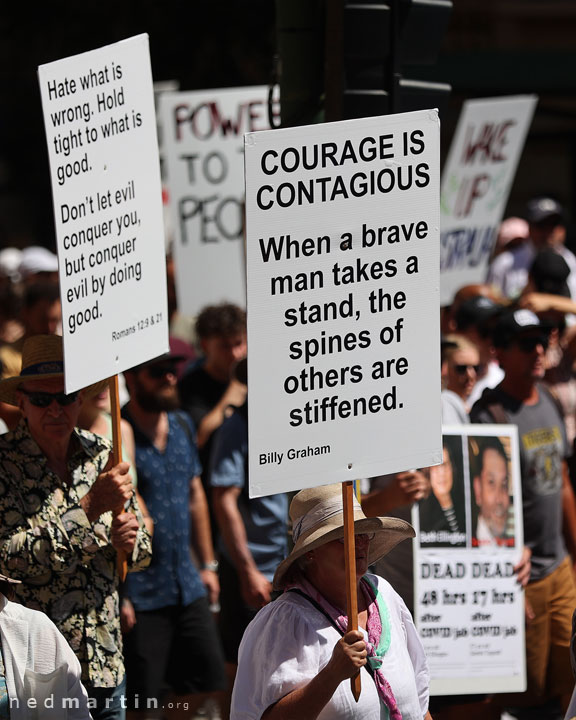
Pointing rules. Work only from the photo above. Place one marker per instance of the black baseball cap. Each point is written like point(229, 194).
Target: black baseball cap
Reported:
point(549, 273)
point(544, 209)
point(476, 311)
point(513, 323)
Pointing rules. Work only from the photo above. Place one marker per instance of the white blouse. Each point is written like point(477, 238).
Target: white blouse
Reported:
point(289, 642)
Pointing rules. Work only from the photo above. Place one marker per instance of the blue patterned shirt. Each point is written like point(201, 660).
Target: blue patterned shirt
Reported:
point(164, 483)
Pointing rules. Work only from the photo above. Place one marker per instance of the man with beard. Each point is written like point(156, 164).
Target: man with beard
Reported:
point(492, 495)
point(171, 640)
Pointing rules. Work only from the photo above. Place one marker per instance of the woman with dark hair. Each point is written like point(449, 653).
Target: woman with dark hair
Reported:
point(441, 514)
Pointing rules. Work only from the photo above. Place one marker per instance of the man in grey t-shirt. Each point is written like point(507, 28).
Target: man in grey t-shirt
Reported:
point(548, 503)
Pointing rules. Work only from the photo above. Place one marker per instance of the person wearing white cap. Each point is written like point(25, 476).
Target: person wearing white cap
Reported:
point(38, 263)
point(296, 656)
point(39, 673)
point(10, 259)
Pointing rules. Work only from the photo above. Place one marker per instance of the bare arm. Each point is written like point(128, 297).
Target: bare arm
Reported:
point(146, 517)
point(256, 587)
point(522, 569)
point(405, 489)
point(202, 536)
point(129, 445)
point(128, 440)
point(235, 394)
point(543, 302)
point(348, 656)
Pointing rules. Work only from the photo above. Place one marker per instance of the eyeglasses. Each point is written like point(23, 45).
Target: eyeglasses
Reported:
point(44, 399)
point(159, 371)
point(364, 537)
point(463, 369)
point(530, 343)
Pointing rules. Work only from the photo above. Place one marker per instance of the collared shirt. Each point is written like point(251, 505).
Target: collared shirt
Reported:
point(66, 563)
point(164, 482)
point(485, 538)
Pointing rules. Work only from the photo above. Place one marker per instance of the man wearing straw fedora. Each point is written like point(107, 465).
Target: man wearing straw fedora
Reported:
point(65, 511)
point(297, 654)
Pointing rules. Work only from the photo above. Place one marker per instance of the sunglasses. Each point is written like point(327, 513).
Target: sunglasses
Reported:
point(463, 369)
point(159, 371)
point(529, 344)
point(366, 537)
point(44, 399)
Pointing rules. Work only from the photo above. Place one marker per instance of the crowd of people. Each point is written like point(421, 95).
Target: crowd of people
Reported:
point(195, 626)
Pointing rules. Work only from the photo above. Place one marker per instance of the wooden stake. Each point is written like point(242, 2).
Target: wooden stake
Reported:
point(121, 562)
point(350, 560)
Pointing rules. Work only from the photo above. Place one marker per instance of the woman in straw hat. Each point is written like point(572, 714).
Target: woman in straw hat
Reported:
point(39, 673)
point(296, 654)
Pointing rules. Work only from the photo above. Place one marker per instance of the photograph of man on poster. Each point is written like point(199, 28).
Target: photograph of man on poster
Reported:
point(442, 516)
point(492, 505)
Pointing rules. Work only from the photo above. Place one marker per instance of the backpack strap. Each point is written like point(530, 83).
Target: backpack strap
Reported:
point(185, 426)
point(553, 397)
point(498, 413)
point(490, 403)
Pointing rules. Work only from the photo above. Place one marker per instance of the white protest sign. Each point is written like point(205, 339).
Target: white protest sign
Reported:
point(101, 133)
point(476, 182)
point(342, 224)
point(204, 144)
point(469, 608)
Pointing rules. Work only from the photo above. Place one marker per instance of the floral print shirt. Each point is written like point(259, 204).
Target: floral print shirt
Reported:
point(66, 563)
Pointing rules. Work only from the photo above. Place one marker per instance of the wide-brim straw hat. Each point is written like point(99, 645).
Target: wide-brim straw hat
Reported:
point(317, 519)
point(42, 359)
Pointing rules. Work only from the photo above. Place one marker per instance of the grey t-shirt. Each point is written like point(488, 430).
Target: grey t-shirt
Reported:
point(543, 447)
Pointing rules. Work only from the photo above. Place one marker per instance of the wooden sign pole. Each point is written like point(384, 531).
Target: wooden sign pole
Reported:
point(121, 562)
point(350, 559)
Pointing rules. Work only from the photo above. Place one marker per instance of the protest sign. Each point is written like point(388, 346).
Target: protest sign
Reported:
point(476, 182)
point(469, 608)
point(203, 134)
point(101, 132)
point(343, 323)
